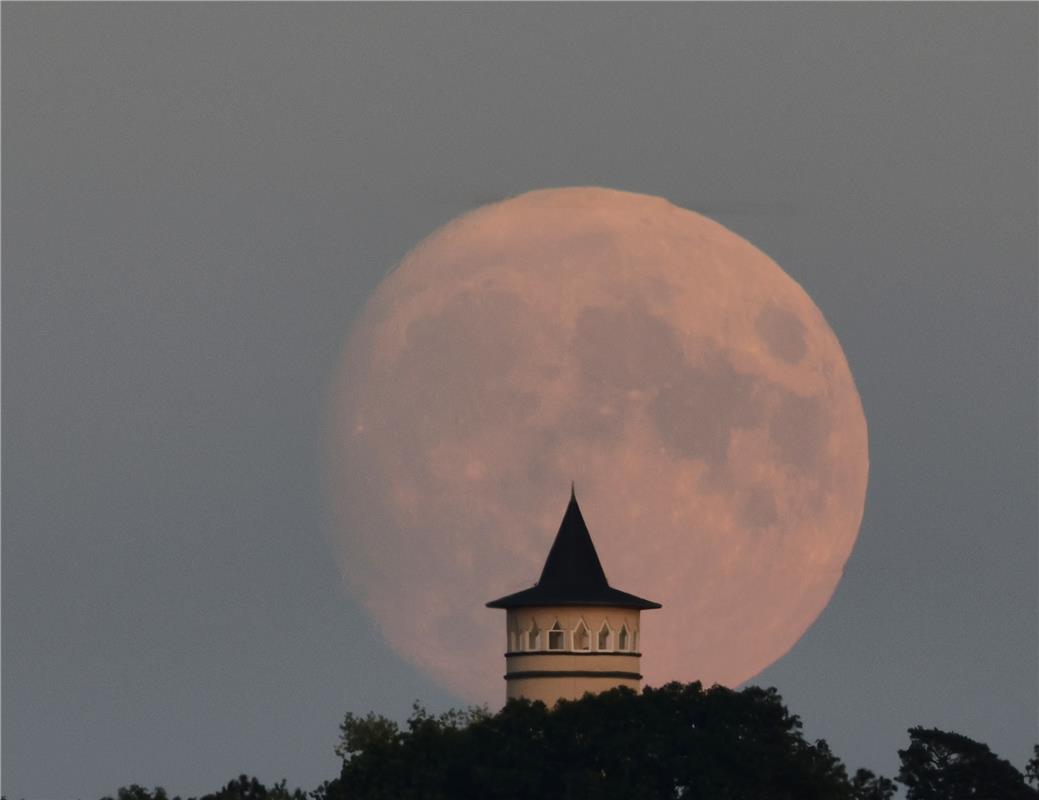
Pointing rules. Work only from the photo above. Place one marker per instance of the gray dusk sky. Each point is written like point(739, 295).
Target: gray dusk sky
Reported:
point(198, 199)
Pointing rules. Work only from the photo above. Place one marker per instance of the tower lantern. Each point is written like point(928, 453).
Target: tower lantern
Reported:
point(571, 632)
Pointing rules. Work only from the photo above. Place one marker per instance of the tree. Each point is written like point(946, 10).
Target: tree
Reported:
point(867, 786)
point(246, 788)
point(1032, 767)
point(678, 741)
point(137, 792)
point(241, 788)
point(940, 765)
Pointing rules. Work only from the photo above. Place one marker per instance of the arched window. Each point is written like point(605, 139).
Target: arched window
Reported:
point(603, 639)
point(622, 638)
point(582, 638)
point(533, 637)
point(556, 637)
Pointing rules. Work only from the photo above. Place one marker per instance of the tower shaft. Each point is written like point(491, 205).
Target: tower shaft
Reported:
point(560, 653)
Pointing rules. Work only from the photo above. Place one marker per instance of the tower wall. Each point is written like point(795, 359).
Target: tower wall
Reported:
point(555, 653)
point(551, 690)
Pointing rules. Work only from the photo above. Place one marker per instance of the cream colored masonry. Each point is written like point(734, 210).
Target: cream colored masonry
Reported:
point(554, 653)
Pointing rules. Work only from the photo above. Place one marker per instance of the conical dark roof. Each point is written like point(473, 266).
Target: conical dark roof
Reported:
point(572, 575)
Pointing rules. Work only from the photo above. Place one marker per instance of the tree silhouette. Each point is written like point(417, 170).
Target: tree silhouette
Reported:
point(678, 741)
point(867, 786)
point(246, 788)
point(136, 792)
point(1032, 768)
point(241, 788)
point(940, 765)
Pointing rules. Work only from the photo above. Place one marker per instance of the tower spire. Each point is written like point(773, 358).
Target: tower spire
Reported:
point(573, 574)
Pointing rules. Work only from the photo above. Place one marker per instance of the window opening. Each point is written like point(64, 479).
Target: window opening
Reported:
point(533, 637)
point(603, 642)
point(582, 639)
point(622, 638)
point(556, 637)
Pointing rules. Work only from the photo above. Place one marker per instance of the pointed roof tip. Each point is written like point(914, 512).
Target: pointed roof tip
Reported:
point(572, 560)
point(573, 574)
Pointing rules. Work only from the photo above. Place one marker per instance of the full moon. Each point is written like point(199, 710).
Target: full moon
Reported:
point(690, 387)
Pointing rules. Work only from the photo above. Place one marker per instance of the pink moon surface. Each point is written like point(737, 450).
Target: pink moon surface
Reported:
point(690, 387)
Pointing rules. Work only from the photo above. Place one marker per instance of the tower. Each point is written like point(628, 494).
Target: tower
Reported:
point(571, 632)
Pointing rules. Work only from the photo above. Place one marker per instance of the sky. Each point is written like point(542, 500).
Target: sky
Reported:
point(198, 199)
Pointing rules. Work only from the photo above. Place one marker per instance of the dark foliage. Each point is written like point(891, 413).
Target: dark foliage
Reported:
point(867, 786)
point(673, 742)
point(678, 741)
point(939, 765)
point(245, 788)
point(135, 792)
point(241, 788)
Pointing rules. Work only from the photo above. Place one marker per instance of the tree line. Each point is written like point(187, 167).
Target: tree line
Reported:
point(679, 741)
